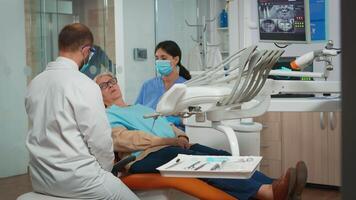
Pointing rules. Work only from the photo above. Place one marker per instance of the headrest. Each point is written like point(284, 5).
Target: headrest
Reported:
point(170, 99)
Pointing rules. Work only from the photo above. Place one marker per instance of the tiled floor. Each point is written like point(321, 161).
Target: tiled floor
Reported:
point(312, 193)
point(12, 187)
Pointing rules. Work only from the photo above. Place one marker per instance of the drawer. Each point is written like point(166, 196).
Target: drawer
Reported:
point(271, 131)
point(272, 168)
point(271, 150)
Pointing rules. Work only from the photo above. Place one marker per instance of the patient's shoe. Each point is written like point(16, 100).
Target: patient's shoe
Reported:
point(301, 180)
point(284, 185)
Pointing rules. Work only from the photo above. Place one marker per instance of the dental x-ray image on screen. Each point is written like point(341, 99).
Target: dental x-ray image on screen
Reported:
point(283, 20)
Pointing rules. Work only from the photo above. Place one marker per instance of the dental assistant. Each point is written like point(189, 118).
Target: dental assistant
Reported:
point(69, 140)
point(168, 65)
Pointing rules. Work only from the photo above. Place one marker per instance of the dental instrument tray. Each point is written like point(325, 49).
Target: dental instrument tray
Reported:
point(233, 167)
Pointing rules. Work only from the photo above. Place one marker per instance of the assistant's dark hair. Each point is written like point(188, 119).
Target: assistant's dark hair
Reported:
point(173, 49)
point(74, 36)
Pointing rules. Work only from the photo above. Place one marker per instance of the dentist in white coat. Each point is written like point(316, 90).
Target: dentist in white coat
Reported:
point(70, 144)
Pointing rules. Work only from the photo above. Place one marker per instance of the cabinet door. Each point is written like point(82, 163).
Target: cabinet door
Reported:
point(271, 168)
point(305, 138)
point(271, 144)
point(334, 148)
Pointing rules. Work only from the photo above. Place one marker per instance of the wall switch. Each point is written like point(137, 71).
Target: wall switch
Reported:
point(140, 54)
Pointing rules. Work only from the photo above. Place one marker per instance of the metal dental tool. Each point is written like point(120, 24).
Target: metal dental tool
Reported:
point(153, 124)
point(201, 166)
point(193, 165)
point(174, 164)
point(154, 116)
point(218, 165)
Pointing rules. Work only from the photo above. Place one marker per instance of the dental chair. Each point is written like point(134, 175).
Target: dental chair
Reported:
point(238, 92)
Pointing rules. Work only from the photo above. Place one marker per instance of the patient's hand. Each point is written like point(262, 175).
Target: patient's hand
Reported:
point(183, 142)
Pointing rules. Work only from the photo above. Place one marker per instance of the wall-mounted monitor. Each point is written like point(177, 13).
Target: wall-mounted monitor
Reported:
point(284, 21)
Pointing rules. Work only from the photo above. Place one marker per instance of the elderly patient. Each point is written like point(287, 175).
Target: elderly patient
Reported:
point(156, 143)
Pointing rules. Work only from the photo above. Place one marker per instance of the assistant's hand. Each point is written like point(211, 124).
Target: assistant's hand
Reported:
point(183, 142)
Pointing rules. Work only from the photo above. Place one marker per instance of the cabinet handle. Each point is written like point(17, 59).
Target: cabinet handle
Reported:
point(331, 120)
point(265, 146)
point(322, 125)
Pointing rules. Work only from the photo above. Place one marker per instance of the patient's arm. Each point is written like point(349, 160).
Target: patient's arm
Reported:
point(129, 141)
point(179, 132)
point(183, 138)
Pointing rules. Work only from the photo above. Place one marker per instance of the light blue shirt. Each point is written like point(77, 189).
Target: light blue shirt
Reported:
point(131, 117)
point(151, 92)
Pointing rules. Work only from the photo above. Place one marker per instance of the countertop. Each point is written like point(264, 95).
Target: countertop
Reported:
point(309, 104)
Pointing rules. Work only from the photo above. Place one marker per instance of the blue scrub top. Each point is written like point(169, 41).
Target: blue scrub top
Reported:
point(151, 92)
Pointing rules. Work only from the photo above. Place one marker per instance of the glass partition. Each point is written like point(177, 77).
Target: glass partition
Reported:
point(195, 26)
point(45, 19)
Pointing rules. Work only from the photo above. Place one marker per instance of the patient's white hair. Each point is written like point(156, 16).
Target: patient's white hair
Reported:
point(103, 74)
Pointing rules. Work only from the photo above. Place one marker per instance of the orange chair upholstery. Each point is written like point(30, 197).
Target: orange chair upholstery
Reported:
point(191, 186)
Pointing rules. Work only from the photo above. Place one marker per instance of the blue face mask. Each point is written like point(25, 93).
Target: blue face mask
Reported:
point(86, 65)
point(164, 67)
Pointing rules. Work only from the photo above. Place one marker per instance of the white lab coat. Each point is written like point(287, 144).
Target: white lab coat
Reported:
point(69, 140)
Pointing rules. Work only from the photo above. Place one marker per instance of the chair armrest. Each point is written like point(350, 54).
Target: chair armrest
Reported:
point(119, 166)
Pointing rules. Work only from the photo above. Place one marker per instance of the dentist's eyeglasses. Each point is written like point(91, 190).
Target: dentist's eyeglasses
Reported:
point(110, 82)
point(91, 49)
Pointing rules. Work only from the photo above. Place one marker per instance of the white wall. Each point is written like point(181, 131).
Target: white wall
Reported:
point(244, 23)
point(13, 119)
point(134, 28)
point(171, 24)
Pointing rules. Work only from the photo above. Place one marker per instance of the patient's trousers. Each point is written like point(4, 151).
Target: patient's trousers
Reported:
point(243, 189)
